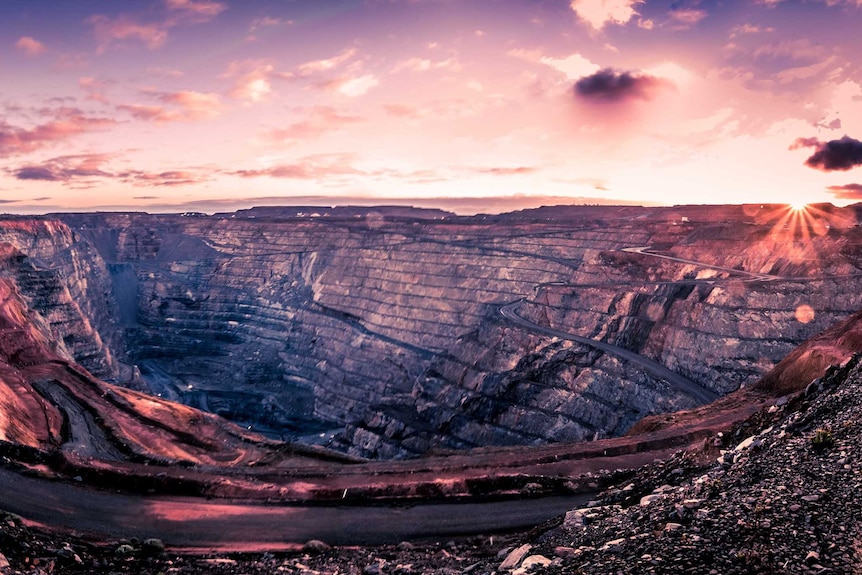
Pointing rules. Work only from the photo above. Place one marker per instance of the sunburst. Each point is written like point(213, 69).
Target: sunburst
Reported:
point(798, 224)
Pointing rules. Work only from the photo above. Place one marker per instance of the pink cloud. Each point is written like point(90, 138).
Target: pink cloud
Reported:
point(252, 79)
point(196, 105)
point(30, 46)
point(65, 123)
point(316, 167)
point(316, 66)
point(599, 13)
point(425, 65)
point(149, 113)
point(184, 106)
point(688, 16)
point(109, 30)
point(847, 192)
point(320, 120)
point(196, 10)
point(402, 111)
point(80, 171)
point(153, 34)
point(93, 89)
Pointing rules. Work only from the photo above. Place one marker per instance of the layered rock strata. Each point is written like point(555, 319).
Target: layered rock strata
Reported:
point(387, 327)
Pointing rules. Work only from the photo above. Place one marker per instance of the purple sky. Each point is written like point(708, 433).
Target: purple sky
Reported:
point(206, 104)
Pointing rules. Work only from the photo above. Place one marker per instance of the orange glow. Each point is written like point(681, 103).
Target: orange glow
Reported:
point(804, 313)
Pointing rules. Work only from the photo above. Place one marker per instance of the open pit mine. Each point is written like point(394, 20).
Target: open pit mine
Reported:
point(257, 379)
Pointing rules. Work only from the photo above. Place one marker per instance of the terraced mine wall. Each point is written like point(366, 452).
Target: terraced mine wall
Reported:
point(381, 334)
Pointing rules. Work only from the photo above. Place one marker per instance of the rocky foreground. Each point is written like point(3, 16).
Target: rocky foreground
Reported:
point(779, 493)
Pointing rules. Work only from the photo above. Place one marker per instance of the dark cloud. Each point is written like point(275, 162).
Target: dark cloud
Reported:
point(42, 199)
point(834, 155)
point(608, 85)
point(160, 179)
point(81, 170)
point(847, 192)
point(65, 168)
point(36, 173)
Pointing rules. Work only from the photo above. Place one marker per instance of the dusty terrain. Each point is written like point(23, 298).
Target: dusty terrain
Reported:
point(550, 328)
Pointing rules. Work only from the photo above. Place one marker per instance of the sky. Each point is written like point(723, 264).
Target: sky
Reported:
point(175, 105)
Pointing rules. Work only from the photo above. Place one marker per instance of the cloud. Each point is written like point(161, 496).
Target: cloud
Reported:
point(159, 72)
point(425, 65)
point(30, 46)
point(149, 113)
point(161, 179)
point(747, 29)
point(93, 89)
point(85, 167)
point(194, 10)
point(610, 86)
point(109, 30)
point(36, 173)
point(507, 171)
point(252, 79)
point(65, 123)
point(185, 106)
point(314, 67)
point(834, 155)
point(402, 111)
point(598, 13)
point(317, 167)
point(574, 66)
point(687, 17)
point(320, 120)
point(266, 22)
point(65, 168)
point(847, 192)
point(355, 87)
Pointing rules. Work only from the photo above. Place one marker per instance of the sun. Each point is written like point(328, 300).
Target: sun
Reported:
point(798, 206)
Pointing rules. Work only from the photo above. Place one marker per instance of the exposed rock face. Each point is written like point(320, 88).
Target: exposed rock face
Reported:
point(68, 283)
point(387, 328)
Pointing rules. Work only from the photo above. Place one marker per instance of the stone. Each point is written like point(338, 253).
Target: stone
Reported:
point(531, 563)
point(153, 546)
point(374, 568)
point(125, 550)
point(4, 563)
point(513, 559)
point(748, 443)
point(613, 546)
point(647, 499)
point(563, 551)
point(574, 519)
point(315, 546)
